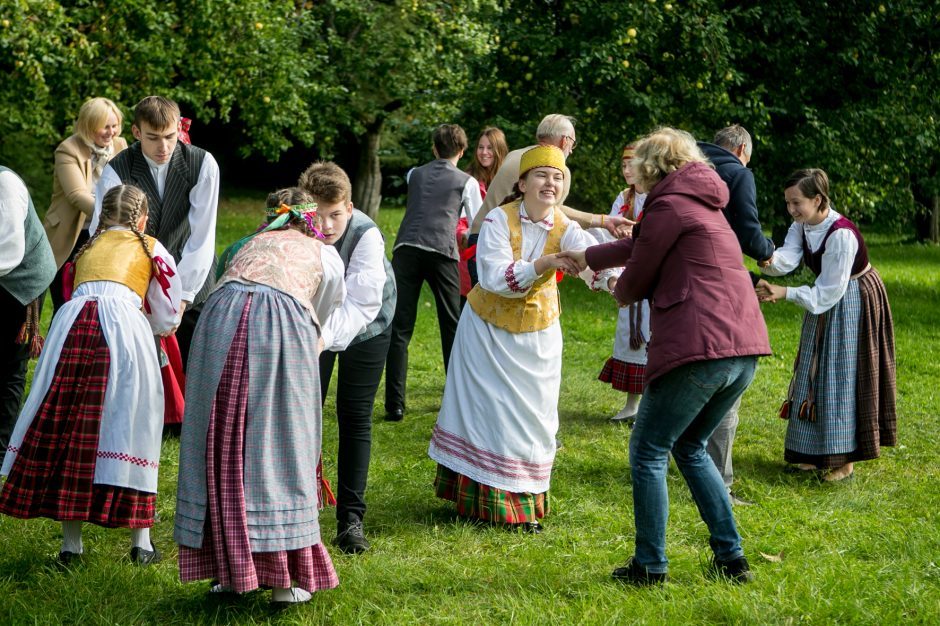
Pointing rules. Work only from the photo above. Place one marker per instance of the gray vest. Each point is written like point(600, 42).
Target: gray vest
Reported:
point(359, 223)
point(28, 280)
point(435, 192)
point(169, 216)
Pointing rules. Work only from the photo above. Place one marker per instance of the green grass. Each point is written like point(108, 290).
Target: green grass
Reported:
point(866, 551)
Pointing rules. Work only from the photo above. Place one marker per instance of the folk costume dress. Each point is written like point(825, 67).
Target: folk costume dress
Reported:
point(247, 498)
point(841, 404)
point(86, 446)
point(626, 368)
point(494, 440)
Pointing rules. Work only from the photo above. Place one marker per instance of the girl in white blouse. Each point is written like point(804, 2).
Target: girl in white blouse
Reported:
point(841, 404)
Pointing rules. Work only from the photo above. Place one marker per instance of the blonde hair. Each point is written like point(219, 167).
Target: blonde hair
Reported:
point(122, 205)
point(93, 116)
point(663, 151)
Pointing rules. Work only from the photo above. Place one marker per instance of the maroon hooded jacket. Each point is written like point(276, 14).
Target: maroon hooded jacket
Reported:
point(687, 261)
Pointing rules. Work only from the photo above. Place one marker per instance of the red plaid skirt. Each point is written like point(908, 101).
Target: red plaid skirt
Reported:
point(53, 475)
point(225, 555)
point(623, 376)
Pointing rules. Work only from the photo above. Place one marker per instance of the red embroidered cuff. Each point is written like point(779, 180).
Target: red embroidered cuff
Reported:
point(511, 279)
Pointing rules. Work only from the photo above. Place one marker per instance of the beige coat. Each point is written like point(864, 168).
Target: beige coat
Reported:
point(72, 198)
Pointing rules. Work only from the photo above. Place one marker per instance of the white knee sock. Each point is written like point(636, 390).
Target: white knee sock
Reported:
point(140, 538)
point(72, 537)
point(633, 403)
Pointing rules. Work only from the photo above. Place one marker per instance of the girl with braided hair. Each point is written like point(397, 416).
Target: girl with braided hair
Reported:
point(86, 447)
point(247, 502)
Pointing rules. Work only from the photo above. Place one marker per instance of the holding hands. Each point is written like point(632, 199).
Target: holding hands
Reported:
point(767, 292)
point(618, 226)
point(576, 257)
point(557, 261)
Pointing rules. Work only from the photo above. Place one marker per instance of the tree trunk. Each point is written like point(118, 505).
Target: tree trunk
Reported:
point(928, 223)
point(367, 186)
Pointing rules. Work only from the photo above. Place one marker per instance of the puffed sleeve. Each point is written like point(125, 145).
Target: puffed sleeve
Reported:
point(787, 257)
point(833, 280)
point(164, 292)
point(498, 272)
point(332, 290)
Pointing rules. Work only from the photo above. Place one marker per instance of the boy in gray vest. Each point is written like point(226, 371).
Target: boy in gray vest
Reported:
point(26, 269)
point(357, 334)
point(425, 250)
point(182, 186)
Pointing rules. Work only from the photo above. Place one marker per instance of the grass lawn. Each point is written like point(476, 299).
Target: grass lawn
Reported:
point(865, 551)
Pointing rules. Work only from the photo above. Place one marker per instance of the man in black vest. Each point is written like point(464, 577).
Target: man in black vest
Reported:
point(26, 269)
point(426, 250)
point(182, 186)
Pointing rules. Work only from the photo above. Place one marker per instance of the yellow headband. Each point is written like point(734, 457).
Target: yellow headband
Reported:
point(542, 156)
point(628, 152)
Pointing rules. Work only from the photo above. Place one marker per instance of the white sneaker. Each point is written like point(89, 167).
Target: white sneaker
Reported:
point(294, 595)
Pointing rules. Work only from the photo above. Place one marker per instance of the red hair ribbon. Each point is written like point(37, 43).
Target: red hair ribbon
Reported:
point(183, 130)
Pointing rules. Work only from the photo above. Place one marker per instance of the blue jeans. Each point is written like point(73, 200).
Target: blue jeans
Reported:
point(678, 414)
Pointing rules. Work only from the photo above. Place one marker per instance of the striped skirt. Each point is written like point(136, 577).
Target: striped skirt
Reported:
point(488, 503)
point(846, 368)
point(53, 475)
point(226, 555)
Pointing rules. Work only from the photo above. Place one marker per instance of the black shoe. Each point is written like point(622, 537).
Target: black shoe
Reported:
point(350, 538)
point(529, 528)
point(139, 556)
point(394, 415)
point(635, 574)
point(736, 570)
point(69, 558)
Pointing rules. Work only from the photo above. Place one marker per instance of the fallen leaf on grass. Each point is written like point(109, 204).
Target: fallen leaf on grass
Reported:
point(773, 558)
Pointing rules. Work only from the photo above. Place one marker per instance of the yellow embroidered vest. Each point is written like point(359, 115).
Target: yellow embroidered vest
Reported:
point(116, 256)
point(539, 308)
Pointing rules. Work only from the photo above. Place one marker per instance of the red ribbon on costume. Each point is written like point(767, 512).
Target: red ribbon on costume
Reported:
point(161, 273)
point(183, 130)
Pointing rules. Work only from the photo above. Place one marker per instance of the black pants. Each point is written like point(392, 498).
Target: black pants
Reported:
point(14, 359)
point(413, 266)
point(55, 289)
point(184, 334)
point(360, 370)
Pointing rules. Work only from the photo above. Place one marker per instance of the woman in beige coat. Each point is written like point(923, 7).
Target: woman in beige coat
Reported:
point(79, 161)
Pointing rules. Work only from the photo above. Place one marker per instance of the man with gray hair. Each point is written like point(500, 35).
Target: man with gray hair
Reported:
point(730, 154)
point(556, 130)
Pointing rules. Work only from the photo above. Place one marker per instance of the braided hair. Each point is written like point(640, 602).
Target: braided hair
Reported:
point(122, 205)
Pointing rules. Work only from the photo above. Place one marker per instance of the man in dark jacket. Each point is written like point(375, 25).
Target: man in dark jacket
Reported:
point(730, 154)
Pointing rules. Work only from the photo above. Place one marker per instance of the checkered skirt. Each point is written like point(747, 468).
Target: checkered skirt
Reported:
point(483, 502)
point(855, 386)
point(53, 475)
point(623, 376)
point(226, 554)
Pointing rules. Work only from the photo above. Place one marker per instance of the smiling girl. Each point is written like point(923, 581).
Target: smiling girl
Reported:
point(841, 404)
point(494, 441)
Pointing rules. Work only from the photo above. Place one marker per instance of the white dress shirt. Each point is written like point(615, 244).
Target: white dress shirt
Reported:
point(365, 285)
point(837, 261)
point(14, 207)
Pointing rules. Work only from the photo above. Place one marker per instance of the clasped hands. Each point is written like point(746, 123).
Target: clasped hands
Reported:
point(768, 292)
point(618, 226)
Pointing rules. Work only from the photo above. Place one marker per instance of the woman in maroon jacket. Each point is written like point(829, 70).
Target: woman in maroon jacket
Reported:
point(707, 333)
